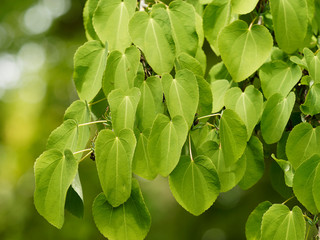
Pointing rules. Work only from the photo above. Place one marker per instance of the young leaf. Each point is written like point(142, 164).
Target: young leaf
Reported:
point(114, 155)
point(219, 89)
point(253, 225)
point(195, 184)
point(130, 220)
point(278, 77)
point(243, 6)
point(150, 103)
point(287, 170)
point(111, 19)
point(312, 104)
point(313, 64)
point(306, 184)
point(233, 135)
point(123, 105)
point(145, 29)
point(254, 165)
point(182, 17)
point(165, 143)
point(182, 94)
point(89, 63)
point(281, 223)
point(121, 70)
point(216, 16)
point(303, 142)
point(88, 12)
point(275, 116)
point(248, 105)
point(244, 49)
point(290, 20)
point(54, 173)
point(141, 164)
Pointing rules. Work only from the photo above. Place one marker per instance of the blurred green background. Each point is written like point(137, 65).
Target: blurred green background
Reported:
point(37, 41)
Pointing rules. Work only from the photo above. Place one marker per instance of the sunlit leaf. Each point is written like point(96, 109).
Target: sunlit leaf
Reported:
point(205, 97)
point(243, 6)
point(313, 64)
point(312, 104)
point(219, 89)
point(185, 61)
point(88, 12)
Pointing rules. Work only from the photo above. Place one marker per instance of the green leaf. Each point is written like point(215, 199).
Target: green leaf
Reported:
point(89, 64)
point(287, 170)
point(141, 164)
point(216, 16)
point(277, 179)
point(74, 200)
point(111, 19)
point(312, 104)
point(150, 103)
point(128, 221)
point(145, 29)
point(306, 184)
point(233, 135)
point(182, 17)
point(195, 184)
point(228, 176)
point(123, 105)
point(255, 163)
point(88, 12)
point(278, 77)
point(253, 225)
point(313, 63)
point(182, 94)
point(205, 97)
point(244, 49)
point(121, 70)
point(219, 89)
point(243, 6)
point(248, 105)
point(275, 116)
point(114, 155)
point(303, 142)
point(165, 143)
point(185, 61)
point(54, 173)
point(290, 20)
point(219, 72)
point(281, 223)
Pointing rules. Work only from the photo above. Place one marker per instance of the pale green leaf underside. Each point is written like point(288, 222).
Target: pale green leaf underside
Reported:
point(128, 221)
point(276, 116)
point(89, 63)
point(114, 155)
point(195, 184)
point(54, 173)
point(111, 19)
point(243, 50)
point(290, 19)
point(165, 143)
point(281, 223)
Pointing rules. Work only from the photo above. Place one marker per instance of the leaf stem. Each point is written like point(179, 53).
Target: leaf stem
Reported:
point(94, 122)
point(85, 156)
point(101, 100)
point(81, 151)
point(307, 235)
point(251, 24)
point(287, 200)
point(190, 151)
point(211, 115)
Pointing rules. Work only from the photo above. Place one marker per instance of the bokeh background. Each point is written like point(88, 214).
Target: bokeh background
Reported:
point(37, 41)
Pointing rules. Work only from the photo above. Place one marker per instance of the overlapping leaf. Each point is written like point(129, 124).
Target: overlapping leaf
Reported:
point(185, 61)
point(313, 64)
point(219, 89)
point(111, 19)
point(54, 172)
point(195, 184)
point(243, 6)
point(114, 155)
point(89, 64)
point(312, 104)
point(88, 12)
point(130, 220)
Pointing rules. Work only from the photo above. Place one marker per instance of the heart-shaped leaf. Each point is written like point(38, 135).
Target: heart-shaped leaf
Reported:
point(130, 220)
point(165, 143)
point(275, 116)
point(279, 77)
point(313, 64)
point(54, 173)
point(111, 19)
point(244, 49)
point(195, 184)
point(114, 155)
